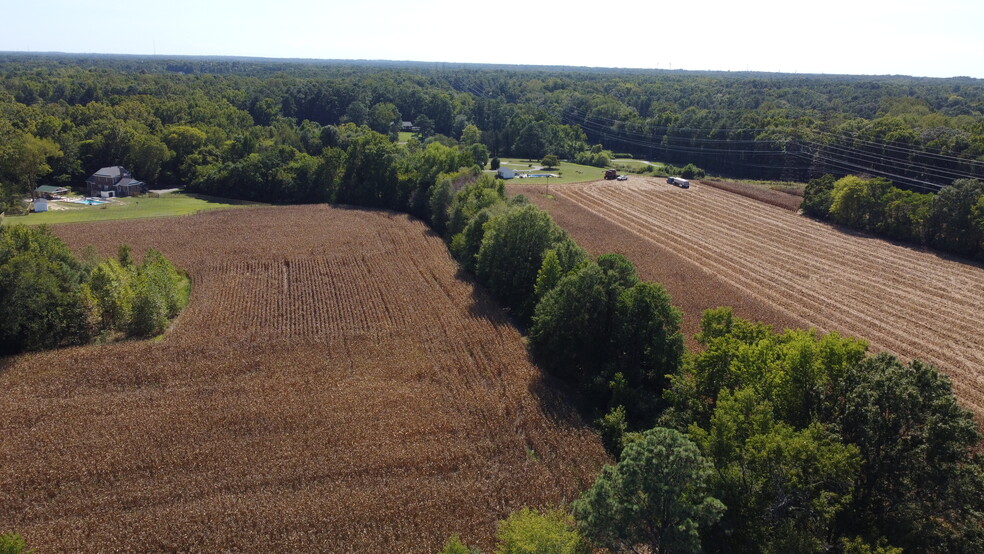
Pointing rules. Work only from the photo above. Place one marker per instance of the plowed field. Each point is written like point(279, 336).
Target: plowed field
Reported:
point(717, 245)
point(333, 386)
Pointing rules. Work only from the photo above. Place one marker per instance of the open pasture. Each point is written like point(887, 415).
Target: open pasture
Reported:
point(333, 386)
point(712, 247)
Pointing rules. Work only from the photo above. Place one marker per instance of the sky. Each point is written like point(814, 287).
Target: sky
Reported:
point(940, 38)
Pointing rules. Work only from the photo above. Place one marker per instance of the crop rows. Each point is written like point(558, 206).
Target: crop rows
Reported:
point(332, 385)
point(914, 303)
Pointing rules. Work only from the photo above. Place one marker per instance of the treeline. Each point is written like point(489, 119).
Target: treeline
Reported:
point(50, 298)
point(208, 123)
point(758, 442)
point(951, 220)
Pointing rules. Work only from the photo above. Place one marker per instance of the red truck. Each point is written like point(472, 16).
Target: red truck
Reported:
point(610, 174)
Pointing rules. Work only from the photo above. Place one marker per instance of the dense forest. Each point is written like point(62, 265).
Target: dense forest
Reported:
point(260, 129)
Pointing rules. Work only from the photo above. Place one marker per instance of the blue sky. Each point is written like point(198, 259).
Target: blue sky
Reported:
point(943, 38)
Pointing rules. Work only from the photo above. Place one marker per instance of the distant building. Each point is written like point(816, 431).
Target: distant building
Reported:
point(113, 181)
point(505, 173)
point(40, 205)
point(408, 127)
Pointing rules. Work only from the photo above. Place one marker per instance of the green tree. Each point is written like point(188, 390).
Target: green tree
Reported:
point(111, 285)
point(656, 496)
point(951, 221)
point(550, 161)
point(920, 482)
point(648, 344)
point(479, 154)
point(384, 118)
point(783, 487)
point(370, 177)
point(439, 202)
point(471, 135)
point(856, 202)
point(530, 531)
point(549, 275)
point(357, 113)
point(817, 197)
point(39, 291)
point(511, 255)
point(12, 543)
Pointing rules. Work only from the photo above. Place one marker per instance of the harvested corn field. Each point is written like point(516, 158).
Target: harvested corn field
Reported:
point(333, 386)
point(796, 271)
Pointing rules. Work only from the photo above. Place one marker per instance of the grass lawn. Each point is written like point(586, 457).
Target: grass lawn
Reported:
point(405, 136)
point(129, 208)
point(569, 172)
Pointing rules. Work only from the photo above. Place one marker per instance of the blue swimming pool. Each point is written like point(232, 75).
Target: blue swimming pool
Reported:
point(89, 201)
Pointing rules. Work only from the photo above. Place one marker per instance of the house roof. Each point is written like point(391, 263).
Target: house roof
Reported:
point(50, 189)
point(111, 171)
point(128, 182)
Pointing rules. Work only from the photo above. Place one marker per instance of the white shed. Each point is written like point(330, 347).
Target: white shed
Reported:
point(41, 205)
point(506, 173)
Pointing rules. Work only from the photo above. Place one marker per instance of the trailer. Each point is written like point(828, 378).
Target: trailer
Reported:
point(682, 183)
point(611, 174)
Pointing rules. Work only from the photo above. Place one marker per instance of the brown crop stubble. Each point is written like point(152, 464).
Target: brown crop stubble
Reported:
point(332, 386)
point(799, 271)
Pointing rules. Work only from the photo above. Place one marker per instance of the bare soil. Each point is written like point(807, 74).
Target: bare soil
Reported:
point(334, 385)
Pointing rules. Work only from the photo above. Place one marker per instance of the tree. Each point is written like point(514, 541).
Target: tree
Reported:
point(817, 197)
point(370, 177)
point(530, 144)
point(39, 291)
point(550, 161)
point(951, 221)
point(920, 482)
point(356, 113)
point(425, 126)
point(12, 543)
point(494, 164)
point(783, 487)
point(384, 118)
point(530, 531)
point(471, 135)
point(439, 202)
point(647, 343)
point(511, 255)
point(479, 153)
point(856, 202)
point(656, 496)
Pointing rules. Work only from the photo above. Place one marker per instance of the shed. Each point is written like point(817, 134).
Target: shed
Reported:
point(40, 205)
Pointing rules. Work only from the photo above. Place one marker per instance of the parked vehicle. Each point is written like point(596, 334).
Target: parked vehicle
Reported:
point(622, 178)
point(611, 174)
point(682, 183)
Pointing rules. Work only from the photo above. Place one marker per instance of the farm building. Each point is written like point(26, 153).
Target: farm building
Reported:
point(49, 191)
point(113, 181)
point(505, 173)
point(40, 205)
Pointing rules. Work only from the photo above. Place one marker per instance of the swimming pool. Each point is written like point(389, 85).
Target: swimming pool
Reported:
point(88, 201)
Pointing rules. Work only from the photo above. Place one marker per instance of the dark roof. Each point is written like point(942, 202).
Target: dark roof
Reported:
point(128, 182)
point(111, 171)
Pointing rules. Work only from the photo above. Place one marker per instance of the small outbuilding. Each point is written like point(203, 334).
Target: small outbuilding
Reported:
point(50, 191)
point(41, 205)
point(505, 173)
